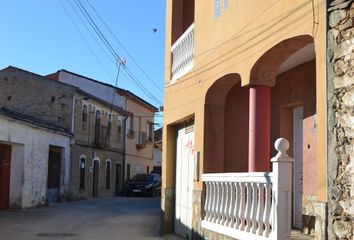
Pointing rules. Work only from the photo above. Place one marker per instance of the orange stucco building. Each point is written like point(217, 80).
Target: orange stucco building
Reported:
point(239, 75)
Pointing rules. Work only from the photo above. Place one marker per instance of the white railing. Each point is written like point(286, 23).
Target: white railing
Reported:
point(251, 205)
point(183, 54)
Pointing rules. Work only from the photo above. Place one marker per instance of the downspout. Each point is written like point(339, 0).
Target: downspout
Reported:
point(124, 152)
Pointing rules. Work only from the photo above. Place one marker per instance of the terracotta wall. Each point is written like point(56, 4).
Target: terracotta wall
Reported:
point(236, 130)
point(297, 87)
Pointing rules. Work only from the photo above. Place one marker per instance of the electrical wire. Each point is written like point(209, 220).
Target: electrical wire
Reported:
point(123, 47)
point(95, 27)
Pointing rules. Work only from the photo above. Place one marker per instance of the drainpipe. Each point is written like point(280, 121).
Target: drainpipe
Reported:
point(124, 152)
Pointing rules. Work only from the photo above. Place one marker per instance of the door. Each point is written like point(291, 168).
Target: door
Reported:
point(53, 181)
point(96, 168)
point(5, 168)
point(298, 166)
point(118, 179)
point(184, 181)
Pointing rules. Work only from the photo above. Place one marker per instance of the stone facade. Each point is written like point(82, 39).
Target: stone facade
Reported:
point(340, 119)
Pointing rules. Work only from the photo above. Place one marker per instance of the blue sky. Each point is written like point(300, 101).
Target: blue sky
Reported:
point(38, 36)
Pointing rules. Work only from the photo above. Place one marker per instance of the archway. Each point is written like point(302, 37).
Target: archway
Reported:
point(288, 69)
point(226, 126)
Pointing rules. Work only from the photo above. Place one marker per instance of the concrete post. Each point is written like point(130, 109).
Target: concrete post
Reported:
point(282, 172)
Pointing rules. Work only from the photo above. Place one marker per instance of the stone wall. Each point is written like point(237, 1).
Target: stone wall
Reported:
point(340, 69)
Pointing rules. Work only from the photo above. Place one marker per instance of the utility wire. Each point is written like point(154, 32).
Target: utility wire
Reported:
point(90, 32)
point(84, 39)
point(123, 47)
point(112, 51)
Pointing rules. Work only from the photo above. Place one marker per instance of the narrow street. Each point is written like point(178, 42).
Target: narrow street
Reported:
point(105, 218)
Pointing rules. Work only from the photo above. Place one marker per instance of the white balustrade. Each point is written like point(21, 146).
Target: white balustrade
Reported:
point(183, 54)
point(253, 205)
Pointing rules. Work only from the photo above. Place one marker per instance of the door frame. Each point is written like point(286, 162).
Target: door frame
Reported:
point(298, 166)
point(188, 196)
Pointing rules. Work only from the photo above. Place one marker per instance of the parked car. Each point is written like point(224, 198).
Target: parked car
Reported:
point(144, 184)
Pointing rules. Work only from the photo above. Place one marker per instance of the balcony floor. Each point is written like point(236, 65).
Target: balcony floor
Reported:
point(297, 235)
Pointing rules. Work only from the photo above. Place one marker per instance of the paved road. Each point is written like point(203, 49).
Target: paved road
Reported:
point(95, 219)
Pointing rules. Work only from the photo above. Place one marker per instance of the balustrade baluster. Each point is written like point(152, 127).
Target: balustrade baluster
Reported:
point(266, 217)
point(248, 207)
point(260, 209)
point(207, 200)
point(226, 203)
point(231, 205)
point(237, 205)
point(254, 207)
point(213, 203)
point(221, 205)
point(242, 206)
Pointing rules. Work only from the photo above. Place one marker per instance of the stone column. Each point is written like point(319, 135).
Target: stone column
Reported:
point(340, 60)
point(259, 128)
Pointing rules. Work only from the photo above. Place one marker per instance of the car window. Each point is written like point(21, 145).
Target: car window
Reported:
point(143, 177)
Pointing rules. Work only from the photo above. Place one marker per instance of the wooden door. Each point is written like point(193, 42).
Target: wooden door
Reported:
point(298, 166)
point(118, 179)
point(184, 181)
point(5, 169)
point(53, 180)
point(96, 168)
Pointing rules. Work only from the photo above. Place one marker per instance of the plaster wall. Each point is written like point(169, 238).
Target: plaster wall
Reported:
point(99, 90)
point(29, 162)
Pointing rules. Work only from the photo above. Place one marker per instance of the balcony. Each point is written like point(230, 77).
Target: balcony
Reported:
point(101, 137)
point(141, 140)
point(254, 205)
point(182, 54)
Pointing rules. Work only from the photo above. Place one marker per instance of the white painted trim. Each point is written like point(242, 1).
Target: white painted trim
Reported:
point(82, 156)
point(96, 159)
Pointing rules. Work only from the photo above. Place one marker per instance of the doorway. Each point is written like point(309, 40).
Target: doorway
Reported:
point(96, 168)
point(184, 181)
point(5, 169)
point(53, 180)
point(118, 179)
point(298, 166)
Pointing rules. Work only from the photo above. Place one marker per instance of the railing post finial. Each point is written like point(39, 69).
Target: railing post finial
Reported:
point(281, 145)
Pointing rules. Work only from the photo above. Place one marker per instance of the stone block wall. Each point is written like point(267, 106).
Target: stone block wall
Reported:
point(340, 60)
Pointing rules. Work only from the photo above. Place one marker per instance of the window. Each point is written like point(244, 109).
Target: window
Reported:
point(128, 172)
point(97, 126)
point(119, 126)
point(217, 8)
point(84, 113)
point(226, 4)
point(130, 131)
point(82, 173)
point(150, 132)
point(108, 174)
point(147, 169)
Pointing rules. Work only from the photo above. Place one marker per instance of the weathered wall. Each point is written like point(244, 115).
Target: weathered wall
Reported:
point(22, 91)
point(90, 153)
point(340, 119)
point(29, 166)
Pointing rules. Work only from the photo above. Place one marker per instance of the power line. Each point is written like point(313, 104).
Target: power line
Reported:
point(84, 39)
point(113, 52)
point(122, 46)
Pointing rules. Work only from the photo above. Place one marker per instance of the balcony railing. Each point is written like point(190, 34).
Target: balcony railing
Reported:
point(141, 140)
point(183, 54)
point(251, 205)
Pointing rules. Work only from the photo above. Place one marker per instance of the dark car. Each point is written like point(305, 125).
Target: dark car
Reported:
point(144, 184)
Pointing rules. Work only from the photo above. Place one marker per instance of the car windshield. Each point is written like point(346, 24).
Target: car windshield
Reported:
point(143, 177)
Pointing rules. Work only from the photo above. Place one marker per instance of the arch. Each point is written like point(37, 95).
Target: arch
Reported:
point(96, 159)
point(222, 104)
point(82, 156)
point(265, 70)
point(82, 167)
